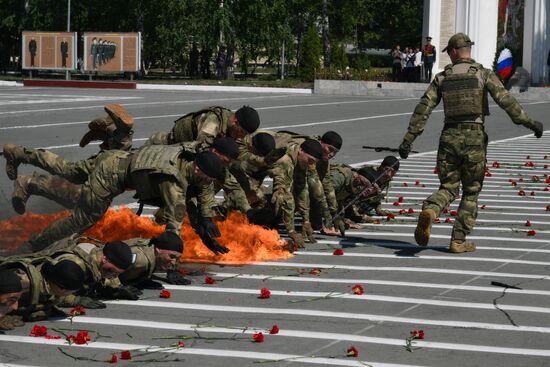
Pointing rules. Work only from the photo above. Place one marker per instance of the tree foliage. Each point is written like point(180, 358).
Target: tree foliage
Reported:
point(310, 55)
point(255, 30)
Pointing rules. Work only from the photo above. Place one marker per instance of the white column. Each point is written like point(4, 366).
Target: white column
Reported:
point(431, 26)
point(536, 40)
point(479, 20)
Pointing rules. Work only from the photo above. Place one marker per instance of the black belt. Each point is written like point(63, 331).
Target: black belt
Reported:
point(463, 126)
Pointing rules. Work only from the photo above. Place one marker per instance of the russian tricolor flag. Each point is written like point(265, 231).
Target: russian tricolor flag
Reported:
point(504, 63)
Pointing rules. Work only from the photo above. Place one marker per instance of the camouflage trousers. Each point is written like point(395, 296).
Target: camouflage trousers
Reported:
point(461, 159)
point(108, 179)
point(55, 188)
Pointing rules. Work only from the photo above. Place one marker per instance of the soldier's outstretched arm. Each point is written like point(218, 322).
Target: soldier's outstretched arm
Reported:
point(509, 104)
point(422, 111)
point(173, 198)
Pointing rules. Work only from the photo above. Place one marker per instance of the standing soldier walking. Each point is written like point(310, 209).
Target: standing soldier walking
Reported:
point(461, 157)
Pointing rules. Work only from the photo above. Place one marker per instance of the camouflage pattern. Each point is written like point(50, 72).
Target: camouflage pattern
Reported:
point(36, 302)
point(200, 127)
point(321, 191)
point(290, 185)
point(144, 266)
point(235, 197)
point(461, 156)
point(54, 188)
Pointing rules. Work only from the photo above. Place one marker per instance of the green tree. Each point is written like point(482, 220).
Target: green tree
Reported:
point(310, 54)
point(338, 57)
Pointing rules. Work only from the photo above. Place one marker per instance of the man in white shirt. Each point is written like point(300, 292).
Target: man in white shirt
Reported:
point(417, 64)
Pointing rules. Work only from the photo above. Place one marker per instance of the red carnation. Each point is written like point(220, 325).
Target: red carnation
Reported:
point(545, 189)
point(39, 330)
point(78, 311)
point(315, 271)
point(165, 294)
point(445, 211)
point(411, 211)
point(209, 280)
point(545, 157)
point(340, 252)
point(258, 337)
point(417, 183)
point(436, 170)
point(395, 203)
point(401, 199)
point(514, 183)
point(528, 223)
point(548, 208)
point(521, 193)
point(531, 233)
point(454, 213)
point(352, 352)
point(547, 180)
point(126, 355)
point(521, 180)
point(357, 289)
point(274, 330)
point(181, 344)
point(402, 211)
point(390, 217)
point(448, 220)
point(496, 164)
point(483, 206)
point(545, 166)
point(405, 184)
point(114, 359)
point(488, 174)
point(265, 293)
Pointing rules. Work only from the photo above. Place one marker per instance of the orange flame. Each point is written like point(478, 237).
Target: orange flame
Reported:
point(247, 242)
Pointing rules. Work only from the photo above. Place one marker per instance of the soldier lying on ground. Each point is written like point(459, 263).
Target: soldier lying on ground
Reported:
point(203, 126)
point(159, 174)
point(11, 291)
point(62, 186)
point(43, 280)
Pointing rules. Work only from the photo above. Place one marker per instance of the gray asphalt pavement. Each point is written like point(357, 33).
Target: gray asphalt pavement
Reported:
point(467, 321)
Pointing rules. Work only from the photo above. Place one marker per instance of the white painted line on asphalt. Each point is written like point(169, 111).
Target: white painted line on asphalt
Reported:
point(427, 257)
point(329, 314)
point(348, 281)
point(306, 334)
point(209, 100)
point(523, 229)
point(403, 269)
point(333, 103)
point(407, 193)
point(401, 245)
point(209, 352)
point(363, 297)
point(221, 88)
point(484, 238)
point(521, 199)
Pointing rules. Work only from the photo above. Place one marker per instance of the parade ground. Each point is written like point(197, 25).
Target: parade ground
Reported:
point(486, 308)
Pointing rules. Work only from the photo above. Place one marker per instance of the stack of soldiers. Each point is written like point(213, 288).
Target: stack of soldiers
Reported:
point(179, 172)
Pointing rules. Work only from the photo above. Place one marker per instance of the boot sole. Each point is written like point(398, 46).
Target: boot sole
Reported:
point(423, 229)
point(119, 112)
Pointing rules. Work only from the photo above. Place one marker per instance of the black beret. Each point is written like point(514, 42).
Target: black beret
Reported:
point(313, 148)
point(226, 146)
point(119, 253)
point(391, 161)
point(210, 165)
point(369, 173)
point(248, 118)
point(66, 274)
point(168, 240)
point(9, 281)
point(332, 138)
point(263, 143)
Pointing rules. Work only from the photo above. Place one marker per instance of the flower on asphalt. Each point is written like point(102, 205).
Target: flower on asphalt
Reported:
point(315, 271)
point(181, 344)
point(402, 211)
point(448, 220)
point(340, 252)
point(39, 330)
point(417, 334)
point(390, 217)
point(454, 213)
point(483, 206)
point(532, 193)
point(531, 233)
point(417, 183)
point(352, 352)
point(265, 293)
point(496, 164)
point(209, 280)
point(401, 199)
point(548, 208)
point(405, 184)
point(396, 203)
point(165, 294)
point(114, 358)
point(521, 193)
point(258, 337)
point(125, 355)
point(274, 330)
point(411, 211)
point(357, 289)
point(78, 311)
point(528, 223)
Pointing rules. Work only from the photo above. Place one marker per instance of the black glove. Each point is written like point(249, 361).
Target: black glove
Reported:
point(149, 284)
point(537, 128)
point(127, 292)
point(209, 229)
point(9, 322)
point(88, 302)
point(174, 277)
point(214, 246)
point(340, 225)
point(404, 149)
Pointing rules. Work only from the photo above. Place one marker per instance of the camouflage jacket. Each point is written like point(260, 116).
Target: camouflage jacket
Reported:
point(487, 81)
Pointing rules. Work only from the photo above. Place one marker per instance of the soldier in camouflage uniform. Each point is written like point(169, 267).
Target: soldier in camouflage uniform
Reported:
point(11, 291)
point(461, 157)
point(290, 187)
point(43, 280)
point(387, 169)
point(159, 174)
point(62, 186)
point(348, 183)
point(202, 127)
